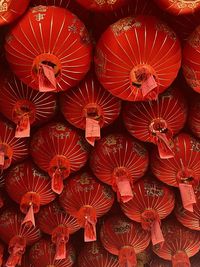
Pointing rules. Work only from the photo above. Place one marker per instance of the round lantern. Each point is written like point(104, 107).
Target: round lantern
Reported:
point(55, 222)
point(183, 170)
point(30, 188)
point(25, 106)
point(194, 115)
point(191, 56)
point(152, 201)
point(58, 150)
point(43, 252)
point(103, 6)
point(16, 235)
point(179, 7)
point(157, 121)
point(119, 161)
point(12, 149)
point(145, 71)
point(49, 49)
point(94, 255)
point(124, 238)
point(180, 244)
point(10, 10)
point(86, 199)
point(90, 107)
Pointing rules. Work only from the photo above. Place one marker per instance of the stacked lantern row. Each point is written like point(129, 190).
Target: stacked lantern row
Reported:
point(59, 182)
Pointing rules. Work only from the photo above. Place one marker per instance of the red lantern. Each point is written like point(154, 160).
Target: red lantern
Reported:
point(86, 199)
point(10, 10)
point(25, 106)
point(16, 235)
point(55, 222)
point(12, 149)
point(157, 121)
point(124, 238)
point(143, 72)
point(191, 56)
point(194, 115)
point(90, 107)
point(94, 255)
point(58, 150)
point(152, 201)
point(42, 254)
point(119, 161)
point(30, 188)
point(46, 56)
point(180, 244)
point(183, 170)
point(179, 7)
point(102, 6)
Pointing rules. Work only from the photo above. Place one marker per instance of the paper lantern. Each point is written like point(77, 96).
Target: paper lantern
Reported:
point(43, 252)
point(90, 107)
point(143, 72)
point(54, 221)
point(16, 235)
point(183, 170)
point(152, 201)
point(12, 149)
point(157, 121)
point(102, 6)
point(25, 106)
point(58, 150)
point(194, 115)
point(119, 161)
point(86, 199)
point(10, 10)
point(49, 49)
point(179, 7)
point(30, 188)
point(180, 244)
point(124, 238)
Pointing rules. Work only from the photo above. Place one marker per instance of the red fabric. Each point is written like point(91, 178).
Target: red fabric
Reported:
point(29, 187)
point(10, 10)
point(13, 149)
point(122, 71)
point(42, 254)
point(58, 150)
point(102, 6)
point(194, 115)
point(118, 234)
point(119, 157)
point(56, 52)
point(156, 202)
point(85, 198)
point(157, 121)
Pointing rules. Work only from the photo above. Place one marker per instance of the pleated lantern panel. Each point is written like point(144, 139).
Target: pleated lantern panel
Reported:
point(102, 5)
point(58, 150)
point(10, 10)
point(49, 49)
point(180, 244)
point(30, 188)
point(152, 201)
point(157, 121)
point(191, 56)
point(12, 149)
point(179, 7)
point(54, 221)
point(124, 238)
point(182, 171)
point(25, 106)
point(90, 107)
point(86, 198)
point(16, 235)
point(119, 160)
point(194, 115)
point(94, 255)
point(137, 58)
point(42, 254)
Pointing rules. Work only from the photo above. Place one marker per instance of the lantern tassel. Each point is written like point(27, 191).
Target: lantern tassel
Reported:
point(92, 131)
point(181, 259)
point(57, 181)
point(127, 257)
point(29, 219)
point(165, 144)
point(47, 79)
point(60, 237)
point(23, 126)
point(16, 249)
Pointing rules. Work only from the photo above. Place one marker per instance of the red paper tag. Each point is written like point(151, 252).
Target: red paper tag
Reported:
point(188, 196)
point(90, 231)
point(148, 85)
point(2, 158)
point(29, 218)
point(47, 79)
point(124, 188)
point(156, 233)
point(92, 131)
point(164, 148)
point(23, 128)
point(57, 182)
